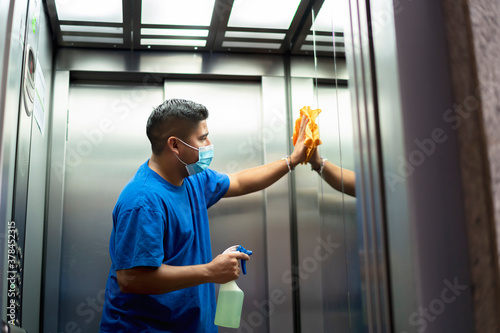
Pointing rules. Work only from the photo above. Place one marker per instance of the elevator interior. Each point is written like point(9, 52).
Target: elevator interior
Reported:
point(73, 133)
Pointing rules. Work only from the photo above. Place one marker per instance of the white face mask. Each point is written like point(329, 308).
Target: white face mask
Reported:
point(205, 156)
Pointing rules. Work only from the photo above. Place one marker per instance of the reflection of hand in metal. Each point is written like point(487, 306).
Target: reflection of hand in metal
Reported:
point(342, 180)
point(311, 139)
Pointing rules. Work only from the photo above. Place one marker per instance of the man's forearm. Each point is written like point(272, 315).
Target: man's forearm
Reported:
point(337, 177)
point(258, 178)
point(164, 279)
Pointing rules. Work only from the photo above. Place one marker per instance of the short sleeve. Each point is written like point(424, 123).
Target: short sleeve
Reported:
point(138, 239)
point(215, 185)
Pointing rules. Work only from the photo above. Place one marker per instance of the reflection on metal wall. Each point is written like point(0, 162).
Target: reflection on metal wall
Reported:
point(35, 216)
point(248, 127)
point(23, 154)
point(308, 223)
point(106, 144)
point(234, 124)
point(10, 109)
point(341, 287)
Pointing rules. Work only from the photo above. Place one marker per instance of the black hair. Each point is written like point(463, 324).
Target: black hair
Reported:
point(173, 117)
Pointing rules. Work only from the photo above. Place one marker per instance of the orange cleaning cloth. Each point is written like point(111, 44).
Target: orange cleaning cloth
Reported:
point(312, 131)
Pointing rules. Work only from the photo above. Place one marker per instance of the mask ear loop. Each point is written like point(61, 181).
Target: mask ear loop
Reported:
point(180, 159)
point(188, 145)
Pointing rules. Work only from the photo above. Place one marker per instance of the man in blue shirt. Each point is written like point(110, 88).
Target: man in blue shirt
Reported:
point(162, 273)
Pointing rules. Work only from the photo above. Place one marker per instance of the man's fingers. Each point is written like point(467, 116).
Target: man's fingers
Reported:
point(303, 125)
point(239, 255)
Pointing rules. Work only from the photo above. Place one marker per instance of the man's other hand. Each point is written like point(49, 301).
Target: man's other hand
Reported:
point(225, 267)
point(299, 153)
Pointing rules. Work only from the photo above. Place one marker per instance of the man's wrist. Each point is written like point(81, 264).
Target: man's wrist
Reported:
point(293, 161)
point(315, 165)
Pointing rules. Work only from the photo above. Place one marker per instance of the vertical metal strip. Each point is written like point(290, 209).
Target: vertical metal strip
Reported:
point(294, 248)
point(55, 183)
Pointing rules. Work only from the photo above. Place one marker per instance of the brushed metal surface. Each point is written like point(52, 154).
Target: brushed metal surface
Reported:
point(337, 210)
point(35, 216)
point(426, 228)
point(55, 194)
point(106, 144)
point(169, 62)
point(235, 126)
point(308, 222)
point(11, 87)
point(274, 135)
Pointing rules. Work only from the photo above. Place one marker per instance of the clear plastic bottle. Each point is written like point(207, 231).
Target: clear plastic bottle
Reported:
point(230, 300)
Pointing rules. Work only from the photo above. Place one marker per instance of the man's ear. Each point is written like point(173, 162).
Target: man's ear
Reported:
point(173, 144)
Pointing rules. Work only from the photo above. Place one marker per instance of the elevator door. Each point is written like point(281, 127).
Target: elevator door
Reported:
point(107, 143)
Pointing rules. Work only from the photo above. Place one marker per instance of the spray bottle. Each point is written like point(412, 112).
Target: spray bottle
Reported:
point(230, 300)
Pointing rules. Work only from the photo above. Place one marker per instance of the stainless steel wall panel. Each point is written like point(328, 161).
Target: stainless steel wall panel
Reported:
point(308, 223)
point(303, 66)
point(5, 21)
point(426, 230)
point(55, 197)
point(371, 223)
point(169, 62)
point(11, 78)
point(106, 144)
point(15, 17)
point(35, 217)
point(336, 210)
point(235, 126)
point(274, 135)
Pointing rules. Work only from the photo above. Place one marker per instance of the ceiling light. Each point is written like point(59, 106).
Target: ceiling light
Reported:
point(174, 32)
point(263, 14)
point(332, 15)
point(173, 42)
point(327, 39)
point(260, 35)
point(322, 48)
point(273, 46)
point(85, 28)
point(92, 39)
point(85, 10)
point(176, 12)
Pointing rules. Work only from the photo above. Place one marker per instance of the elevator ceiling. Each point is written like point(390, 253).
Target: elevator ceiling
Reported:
point(251, 26)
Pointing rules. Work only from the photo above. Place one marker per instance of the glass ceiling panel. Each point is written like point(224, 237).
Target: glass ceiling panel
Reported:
point(263, 14)
point(174, 32)
point(173, 42)
point(85, 28)
point(177, 12)
point(327, 39)
point(328, 15)
point(273, 46)
point(85, 10)
point(324, 48)
point(262, 35)
point(92, 39)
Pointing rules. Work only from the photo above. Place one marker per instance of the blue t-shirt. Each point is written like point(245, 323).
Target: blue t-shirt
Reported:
point(155, 223)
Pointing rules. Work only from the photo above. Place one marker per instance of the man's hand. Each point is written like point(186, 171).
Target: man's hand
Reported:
point(315, 160)
point(225, 267)
point(299, 153)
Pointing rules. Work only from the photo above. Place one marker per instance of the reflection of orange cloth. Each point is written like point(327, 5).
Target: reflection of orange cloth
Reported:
point(312, 131)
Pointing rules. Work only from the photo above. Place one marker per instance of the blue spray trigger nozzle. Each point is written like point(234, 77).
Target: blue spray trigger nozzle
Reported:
point(239, 248)
point(243, 262)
